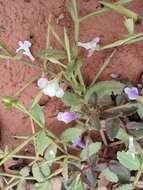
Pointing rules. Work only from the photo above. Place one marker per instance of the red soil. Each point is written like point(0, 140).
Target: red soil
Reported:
point(19, 20)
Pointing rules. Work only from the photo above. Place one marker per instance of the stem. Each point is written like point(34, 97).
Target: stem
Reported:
point(36, 66)
point(105, 64)
point(54, 160)
point(10, 181)
point(33, 132)
point(9, 57)
point(12, 185)
point(103, 137)
point(16, 176)
point(76, 27)
point(128, 105)
point(24, 157)
point(76, 34)
point(47, 42)
point(123, 141)
point(101, 10)
point(81, 80)
point(26, 85)
point(59, 40)
point(138, 175)
point(17, 149)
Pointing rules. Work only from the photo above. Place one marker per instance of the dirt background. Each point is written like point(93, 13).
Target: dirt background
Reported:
point(27, 20)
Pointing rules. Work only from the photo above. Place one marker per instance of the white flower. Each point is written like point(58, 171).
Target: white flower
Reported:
point(25, 47)
point(42, 83)
point(91, 46)
point(50, 88)
point(131, 147)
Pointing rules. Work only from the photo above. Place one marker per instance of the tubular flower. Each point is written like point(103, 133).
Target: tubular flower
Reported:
point(132, 93)
point(79, 143)
point(91, 46)
point(67, 117)
point(25, 47)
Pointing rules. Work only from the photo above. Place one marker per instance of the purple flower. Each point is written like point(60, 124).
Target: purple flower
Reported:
point(132, 93)
point(67, 117)
point(79, 143)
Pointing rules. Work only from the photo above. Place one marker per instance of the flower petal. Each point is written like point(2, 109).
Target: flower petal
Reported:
point(84, 45)
point(60, 93)
point(27, 44)
point(52, 88)
point(25, 47)
point(78, 142)
point(127, 90)
point(28, 53)
point(91, 44)
point(132, 93)
point(42, 83)
point(49, 91)
point(67, 117)
point(135, 90)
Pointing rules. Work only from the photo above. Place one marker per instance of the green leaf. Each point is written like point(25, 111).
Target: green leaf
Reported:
point(135, 128)
point(75, 184)
point(42, 142)
point(71, 134)
point(127, 160)
point(74, 66)
point(119, 99)
point(122, 134)
point(112, 127)
point(71, 99)
point(37, 172)
point(72, 7)
point(53, 184)
point(70, 69)
point(67, 45)
point(135, 125)
point(90, 150)
point(55, 61)
point(94, 121)
point(50, 153)
point(89, 177)
point(140, 110)
point(9, 101)
point(37, 113)
point(131, 39)
point(122, 172)
point(45, 169)
point(125, 110)
point(125, 187)
point(110, 176)
point(104, 9)
point(65, 169)
point(93, 99)
point(52, 53)
point(105, 88)
point(25, 171)
point(122, 10)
